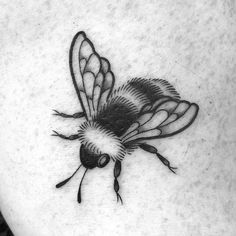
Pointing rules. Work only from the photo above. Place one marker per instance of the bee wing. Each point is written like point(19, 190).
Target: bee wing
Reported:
point(162, 120)
point(91, 75)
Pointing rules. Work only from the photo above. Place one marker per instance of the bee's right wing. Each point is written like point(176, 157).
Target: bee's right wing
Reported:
point(91, 75)
point(164, 118)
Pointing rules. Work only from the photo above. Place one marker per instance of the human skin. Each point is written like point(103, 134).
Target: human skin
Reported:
point(189, 43)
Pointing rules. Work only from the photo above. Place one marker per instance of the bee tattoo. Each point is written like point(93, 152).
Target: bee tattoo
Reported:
point(119, 121)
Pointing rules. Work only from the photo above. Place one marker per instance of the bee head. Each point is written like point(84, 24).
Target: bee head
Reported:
point(91, 160)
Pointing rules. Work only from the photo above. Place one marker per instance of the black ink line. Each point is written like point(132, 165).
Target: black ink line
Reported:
point(68, 179)
point(79, 192)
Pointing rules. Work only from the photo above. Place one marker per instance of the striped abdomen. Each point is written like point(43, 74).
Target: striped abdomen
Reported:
point(124, 105)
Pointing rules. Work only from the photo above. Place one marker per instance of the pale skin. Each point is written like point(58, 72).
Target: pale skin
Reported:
point(191, 45)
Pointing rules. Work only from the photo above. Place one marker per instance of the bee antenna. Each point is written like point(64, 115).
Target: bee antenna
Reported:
point(66, 180)
point(79, 192)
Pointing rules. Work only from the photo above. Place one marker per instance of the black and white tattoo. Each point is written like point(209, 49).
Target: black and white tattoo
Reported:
point(119, 121)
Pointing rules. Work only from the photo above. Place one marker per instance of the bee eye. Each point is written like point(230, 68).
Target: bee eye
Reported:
point(103, 160)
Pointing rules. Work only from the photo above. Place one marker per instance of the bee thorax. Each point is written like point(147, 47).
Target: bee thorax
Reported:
point(100, 140)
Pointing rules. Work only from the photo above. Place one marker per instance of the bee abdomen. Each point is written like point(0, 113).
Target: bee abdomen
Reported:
point(124, 105)
point(153, 89)
point(141, 91)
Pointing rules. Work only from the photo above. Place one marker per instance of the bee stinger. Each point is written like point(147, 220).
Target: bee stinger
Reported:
point(119, 121)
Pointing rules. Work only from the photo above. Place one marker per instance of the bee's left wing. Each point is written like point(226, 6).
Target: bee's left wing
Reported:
point(165, 118)
point(91, 74)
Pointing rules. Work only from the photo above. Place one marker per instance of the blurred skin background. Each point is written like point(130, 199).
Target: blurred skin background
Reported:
point(190, 44)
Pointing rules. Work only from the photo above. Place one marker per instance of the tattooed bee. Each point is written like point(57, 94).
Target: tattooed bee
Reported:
point(119, 121)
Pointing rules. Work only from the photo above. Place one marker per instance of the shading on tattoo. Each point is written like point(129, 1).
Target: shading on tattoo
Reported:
point(119, 121)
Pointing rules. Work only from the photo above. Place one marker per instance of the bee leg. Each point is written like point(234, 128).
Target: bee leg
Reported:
point(75, 116)
point(71, 137)
point(117, 170)
point(151, 149)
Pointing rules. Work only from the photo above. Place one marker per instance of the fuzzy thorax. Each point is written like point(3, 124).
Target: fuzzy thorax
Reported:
point(100, 141)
